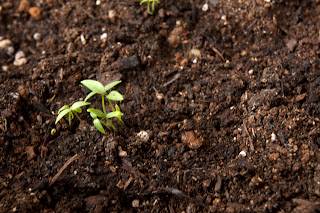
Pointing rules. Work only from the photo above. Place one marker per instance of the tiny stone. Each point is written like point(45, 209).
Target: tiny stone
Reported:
point(195, 61)
point(19, 59)
point(36, 36)
point(135, 203)
point(243, 154)
point(35, 12)
point(5, 68)
point(195, 53)
point(83, 40)
point(112, 15)
point(4, 44)
point(10, 50)
point(273, 137)
point(251, 71)
point(98, 2)
point(143, 135)
point(205, 7)
point(104, 37)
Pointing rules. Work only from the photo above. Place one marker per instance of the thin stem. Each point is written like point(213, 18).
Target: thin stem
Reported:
point(103, 105)
point(69, 118)
point(149, 8)
point(111, 105)
point(113, 127)
point(76, 114)
point(105, 125)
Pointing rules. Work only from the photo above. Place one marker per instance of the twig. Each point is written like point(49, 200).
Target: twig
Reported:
point(250, 139)
point(175, 77)
point(217, 51)
point(75, 157)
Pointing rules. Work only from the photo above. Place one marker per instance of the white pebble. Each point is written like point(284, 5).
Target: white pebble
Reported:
point(273, 137)
point(4, 44)
point(19, 59)
point(135, 203)
point(10, 50)
point(205, 7)
point(243, 154)
point(121, 152)
point(5, 68)
point(98, 2)
point(104, 37)
point(143, 135)
point(36, 36)
point(250, 71)
point(195, 61)
point(83, 40)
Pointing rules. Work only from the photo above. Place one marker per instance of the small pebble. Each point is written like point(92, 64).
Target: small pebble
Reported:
point(104, 37)
point(98, 2)
point(251, 71)
point(10, 50)
point(19, 59)
point(243, 154)
point(135, 203)
point(273, 137)
point(143, 135)
point(36, 36)
point(195, 53)
point(5, 68)
point(83, 40)
point(205, 7)
point(4, 44)
point(112, 15)
point(35, 12)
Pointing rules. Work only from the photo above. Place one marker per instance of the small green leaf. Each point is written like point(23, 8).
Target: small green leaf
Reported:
point(98, 125)
point(111, 85)
point(143, 1)
point(115, 96)
point(61, 114)
point(97, 112)
point(63, 108)
point(94, 86)
point(118, 108)
point(78, 104)
point(90, 95)
point(114, 114)
point(94, 116)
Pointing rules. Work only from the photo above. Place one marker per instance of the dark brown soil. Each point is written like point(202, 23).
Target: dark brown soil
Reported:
point(221, 106)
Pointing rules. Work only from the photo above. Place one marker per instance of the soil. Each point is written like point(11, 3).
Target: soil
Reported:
point(221, 106)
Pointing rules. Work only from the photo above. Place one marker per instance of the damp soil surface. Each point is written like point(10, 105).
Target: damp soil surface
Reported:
point(221, 106)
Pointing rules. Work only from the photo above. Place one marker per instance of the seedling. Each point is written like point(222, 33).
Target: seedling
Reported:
point(71, 111)
point(152, 3)
point(96, 88)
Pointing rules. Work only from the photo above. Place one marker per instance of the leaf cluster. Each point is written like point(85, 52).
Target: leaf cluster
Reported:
point(96, 88)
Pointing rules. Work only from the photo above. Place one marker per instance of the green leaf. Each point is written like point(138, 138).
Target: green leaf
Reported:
point(94, 86)
point(115, 96)
point(97, 112)
point(78, 104)
point(111, 85)
point(98, 125)
point(94, 116)
point(61, 114)
point(90, 95)
point(114, 114)
point(118, 108)
point(143, 1)
point(63, 108)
